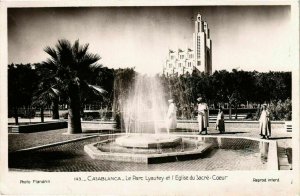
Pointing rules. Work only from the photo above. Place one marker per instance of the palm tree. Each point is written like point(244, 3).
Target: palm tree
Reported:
point(69, 67)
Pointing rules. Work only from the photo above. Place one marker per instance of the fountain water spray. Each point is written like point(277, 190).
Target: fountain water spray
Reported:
point(145, 109)
point(144, 114)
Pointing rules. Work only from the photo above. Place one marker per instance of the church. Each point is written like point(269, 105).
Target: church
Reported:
point(198, 57)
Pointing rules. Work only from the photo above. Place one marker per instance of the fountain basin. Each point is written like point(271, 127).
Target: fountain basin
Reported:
point(170, 149)
point(255, 153)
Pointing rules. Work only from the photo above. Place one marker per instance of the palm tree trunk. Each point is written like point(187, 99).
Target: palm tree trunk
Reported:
point(55, 111)
point(74, 122)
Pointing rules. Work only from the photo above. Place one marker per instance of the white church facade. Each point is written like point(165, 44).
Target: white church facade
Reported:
point(198, 57)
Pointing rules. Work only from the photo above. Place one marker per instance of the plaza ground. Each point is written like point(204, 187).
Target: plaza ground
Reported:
point(71, 156)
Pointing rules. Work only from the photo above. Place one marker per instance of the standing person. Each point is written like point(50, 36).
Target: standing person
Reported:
point(202, 116)
point(171, 116)
point(220, 125)
point(264, 123)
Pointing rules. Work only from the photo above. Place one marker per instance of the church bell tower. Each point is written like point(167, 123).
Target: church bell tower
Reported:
point(202, 46)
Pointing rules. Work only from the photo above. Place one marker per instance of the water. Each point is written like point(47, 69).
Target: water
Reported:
point(145, 109)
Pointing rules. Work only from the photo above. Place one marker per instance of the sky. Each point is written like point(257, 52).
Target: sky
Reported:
point(243, 37)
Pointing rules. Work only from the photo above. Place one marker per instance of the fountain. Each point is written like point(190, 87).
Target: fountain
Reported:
point(146, 137)
point(145, 109)
point(145, 116)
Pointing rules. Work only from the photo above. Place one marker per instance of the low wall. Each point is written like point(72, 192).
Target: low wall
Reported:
point(98, 125)
point(193, 124)
point(28, 128)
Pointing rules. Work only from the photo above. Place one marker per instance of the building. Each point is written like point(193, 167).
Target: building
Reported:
point(198, 57)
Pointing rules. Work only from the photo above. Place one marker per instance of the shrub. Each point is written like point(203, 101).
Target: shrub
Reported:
point(281, 110)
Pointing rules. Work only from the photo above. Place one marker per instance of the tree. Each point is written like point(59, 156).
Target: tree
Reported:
point(234, 88)
point(69, 67)
point(21, 84)
point(46, 94)
point(104, 77)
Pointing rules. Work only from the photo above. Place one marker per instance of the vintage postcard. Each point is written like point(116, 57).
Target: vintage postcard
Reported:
point(149, 98)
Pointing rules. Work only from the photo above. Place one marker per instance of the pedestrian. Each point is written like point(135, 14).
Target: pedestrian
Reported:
point(202, 116)
point(220, 124)
point(264, 123)
point(171, 116)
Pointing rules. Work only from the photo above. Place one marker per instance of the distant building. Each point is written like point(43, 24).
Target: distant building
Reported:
point(198, 57)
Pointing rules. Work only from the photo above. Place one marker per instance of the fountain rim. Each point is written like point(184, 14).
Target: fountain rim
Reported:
point(94, 153)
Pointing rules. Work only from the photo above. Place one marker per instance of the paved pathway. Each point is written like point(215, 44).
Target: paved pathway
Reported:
point(27, 140)
point(71, 157)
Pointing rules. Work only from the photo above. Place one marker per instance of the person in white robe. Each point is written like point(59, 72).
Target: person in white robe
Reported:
point(202, 116)
point(264, 123)
point(171, 116)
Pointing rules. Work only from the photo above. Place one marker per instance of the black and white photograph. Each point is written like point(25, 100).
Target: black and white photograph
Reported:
point(165, 94)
